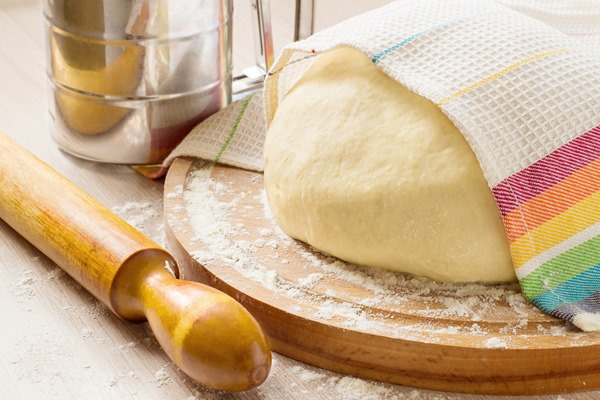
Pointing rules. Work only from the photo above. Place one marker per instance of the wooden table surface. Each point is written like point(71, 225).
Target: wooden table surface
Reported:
point(57, 341)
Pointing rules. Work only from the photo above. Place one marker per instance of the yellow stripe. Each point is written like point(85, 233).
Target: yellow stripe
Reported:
point(499, 74)
point(576, 219)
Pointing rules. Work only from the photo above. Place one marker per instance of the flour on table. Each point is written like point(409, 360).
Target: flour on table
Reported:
point(24, 286)
point(144, 216)
point(162, 377)
point(137, 214)
point(115, 379)
point(127, 346)
point(57, 274)
point(346, 387)
point(350, 388)
point(236, 228)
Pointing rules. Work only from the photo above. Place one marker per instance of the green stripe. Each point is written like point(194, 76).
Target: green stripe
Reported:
point(234, 128)
point(562, 268)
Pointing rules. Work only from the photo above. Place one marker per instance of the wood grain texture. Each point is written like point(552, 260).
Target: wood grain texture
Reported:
point(401, 342)
point(58, 341)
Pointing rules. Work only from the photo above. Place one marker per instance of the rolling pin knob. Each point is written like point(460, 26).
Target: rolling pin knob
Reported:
point(208, 334)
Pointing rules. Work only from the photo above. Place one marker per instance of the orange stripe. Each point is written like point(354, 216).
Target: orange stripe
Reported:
point(576, 219)
point(553, 201)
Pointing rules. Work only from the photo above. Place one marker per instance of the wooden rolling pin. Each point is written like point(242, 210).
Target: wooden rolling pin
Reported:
point(206, 333)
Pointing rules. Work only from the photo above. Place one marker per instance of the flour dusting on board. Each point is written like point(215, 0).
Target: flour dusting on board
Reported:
point(350, 296)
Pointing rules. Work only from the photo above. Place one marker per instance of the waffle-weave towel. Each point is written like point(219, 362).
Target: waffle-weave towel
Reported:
point(234, 136)
point(526, 96)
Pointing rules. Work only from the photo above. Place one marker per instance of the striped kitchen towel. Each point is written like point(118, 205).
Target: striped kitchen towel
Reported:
point(234, 136)
point(526, 96)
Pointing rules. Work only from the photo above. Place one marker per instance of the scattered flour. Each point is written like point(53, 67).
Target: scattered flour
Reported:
point(145, 217)
point(56, 274)
point(496, 343)
point(204, 395)
point(127, 346)
point(173, 195)
point(353, 388)
point(311, 279)
point(265, 232)
point(137, 214)
point(162, 377)
point(306, 374)
point(96, 309)
point(114, 379)
point(349, 388)
point(346, 387)
point(359, 297)
point(24, 287)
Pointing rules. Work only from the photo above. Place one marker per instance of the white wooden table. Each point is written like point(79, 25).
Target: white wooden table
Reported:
point(56, 340)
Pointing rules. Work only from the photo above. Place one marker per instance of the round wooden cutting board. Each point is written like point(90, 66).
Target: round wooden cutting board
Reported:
point(366, 322)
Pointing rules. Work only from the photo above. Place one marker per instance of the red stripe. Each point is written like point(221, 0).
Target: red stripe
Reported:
point(547, 172)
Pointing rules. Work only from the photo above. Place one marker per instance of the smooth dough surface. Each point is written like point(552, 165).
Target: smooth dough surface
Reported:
point(363, 169)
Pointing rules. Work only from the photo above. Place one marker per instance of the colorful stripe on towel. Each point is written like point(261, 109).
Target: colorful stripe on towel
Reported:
point(499, 74)
point(551, 211)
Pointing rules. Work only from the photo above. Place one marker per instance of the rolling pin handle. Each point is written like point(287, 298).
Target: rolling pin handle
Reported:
point(208, 334)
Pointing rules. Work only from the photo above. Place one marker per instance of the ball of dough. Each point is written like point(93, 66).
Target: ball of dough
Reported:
point(360, 167)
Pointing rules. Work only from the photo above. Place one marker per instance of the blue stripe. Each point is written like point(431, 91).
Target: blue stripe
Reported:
point(409, 39)
point(572, 291)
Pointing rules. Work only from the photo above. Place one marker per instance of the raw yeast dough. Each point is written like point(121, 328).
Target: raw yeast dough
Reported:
point(362, 168)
